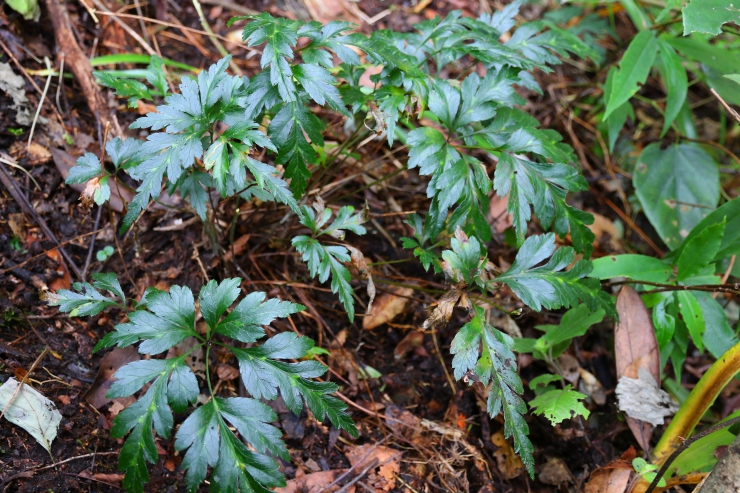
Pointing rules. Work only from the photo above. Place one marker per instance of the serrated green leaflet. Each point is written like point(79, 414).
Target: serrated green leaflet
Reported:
point(559, 405)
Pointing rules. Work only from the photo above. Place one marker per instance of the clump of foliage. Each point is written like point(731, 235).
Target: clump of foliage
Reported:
point(207, 136)
point(159, 321)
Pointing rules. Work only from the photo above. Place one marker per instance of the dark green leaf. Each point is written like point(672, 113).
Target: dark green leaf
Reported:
point(677, 188)
point(633, 69)
point(700, 251)
point(631, 266)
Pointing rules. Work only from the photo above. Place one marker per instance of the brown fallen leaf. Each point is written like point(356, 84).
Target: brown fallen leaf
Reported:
point(359, 263)
point(605, 231)
point(412, 340)
point(443, 309)
point(635, 347)
point(509, 464)
point(386, 460)
point(613, 477)
point(312, 483)
point(555, 472)
point(498, 216)
point(387, 307)
point(99, 476)
point(109, 365)
point(240, 245)
point(227, 372)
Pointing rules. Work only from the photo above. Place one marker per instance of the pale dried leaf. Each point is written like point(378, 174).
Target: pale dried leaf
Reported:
point(642, 399)
point(30, 410)
point(311, 483)
point(387, 307)
point(442, 310)
point(608, 481)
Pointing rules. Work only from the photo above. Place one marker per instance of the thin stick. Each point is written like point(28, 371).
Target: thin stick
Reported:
point(734, 113)
point(41, 104)
point(23, 380)
point(14, 190)
point(52, 249)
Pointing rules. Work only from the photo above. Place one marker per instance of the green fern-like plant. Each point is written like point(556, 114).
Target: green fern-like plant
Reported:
point(474, 118)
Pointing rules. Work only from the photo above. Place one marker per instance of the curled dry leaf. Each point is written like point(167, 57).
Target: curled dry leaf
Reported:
point(17, 225)
point(386, 460)
point(591, 386)
point(443, 309)
point(613, 477)
point(412, 340)
point(635, 347)
point(359, 263)
point(387, 307)
point(555, 472)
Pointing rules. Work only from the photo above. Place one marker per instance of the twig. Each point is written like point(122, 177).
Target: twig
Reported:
point(104, 10)
point(710, 288)
point(348, 471)
point(686, 444)
point(28, 208)
point(23, 380)
point(72, 240)
point(41, 104)
point(92, 243)
point(78, 62)
point(734, 113)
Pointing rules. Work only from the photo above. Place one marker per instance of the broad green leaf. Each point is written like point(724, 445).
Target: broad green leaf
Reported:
point(280, 39)
point(29, 9)
point(700, 251)
point(708, 16)
point(87, 301)
point(619, 115)
point(263, 376)
point(544, 188)
point(633, 69)
point(124, 87)
point(733, 77)
point(251, 419)
point(464, 258)
point(631, 266)
point(676, 82)
point(693, 317)
point(729, 212)
point(718, 335)
point(664, 322)
point(559, 405)
point(575, 323)
point(677, 187)
point(241, 470)
point(200, 435)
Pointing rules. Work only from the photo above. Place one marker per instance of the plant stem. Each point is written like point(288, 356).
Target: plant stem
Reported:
point(699, 400)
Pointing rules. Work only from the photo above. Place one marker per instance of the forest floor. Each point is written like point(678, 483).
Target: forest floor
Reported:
point(419, 429)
